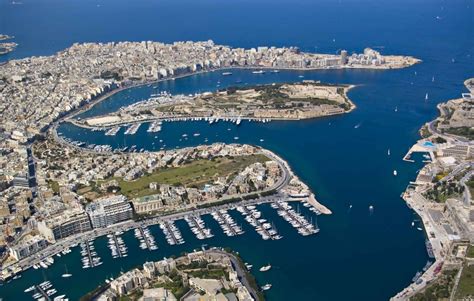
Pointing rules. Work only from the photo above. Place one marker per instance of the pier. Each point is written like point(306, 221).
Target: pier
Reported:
point(147, 241)
point(41, 291)
point(304, 227)
point(197, 227)
point(172, 233)
point(226, 222)
point(252, 216)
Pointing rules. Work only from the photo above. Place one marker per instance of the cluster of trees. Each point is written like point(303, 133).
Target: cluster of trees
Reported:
point(443, 190)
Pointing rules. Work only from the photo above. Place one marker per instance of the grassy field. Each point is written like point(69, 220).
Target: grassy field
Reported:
point(466, 283)
point(193, 174)
point(470, 251)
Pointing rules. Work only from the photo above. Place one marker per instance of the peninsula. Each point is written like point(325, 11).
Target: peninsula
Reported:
point(212, 274)
point(296, 101)
point(442, 197)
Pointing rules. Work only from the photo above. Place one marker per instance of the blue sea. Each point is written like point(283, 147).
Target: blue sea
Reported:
point(358, 255)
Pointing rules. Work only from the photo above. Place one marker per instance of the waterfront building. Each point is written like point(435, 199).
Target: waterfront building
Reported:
point(28, 247)
point(109, 210)
point(128, 282)
point(147, 204)
point(64, 224)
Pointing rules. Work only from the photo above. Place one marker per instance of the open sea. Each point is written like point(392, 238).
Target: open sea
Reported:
point(358, 255)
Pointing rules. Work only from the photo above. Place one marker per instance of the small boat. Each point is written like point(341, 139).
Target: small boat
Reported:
point(226, 73)
point(394, 172)
point(265, 268)
point(388, 152)
point(419, 229)
point(412, 224)
point(426, 96)
point(258, 72)
point(29, 289)
point(266, 287)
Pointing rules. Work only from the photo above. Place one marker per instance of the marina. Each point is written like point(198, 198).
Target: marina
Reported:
point(90, 259)
point(296, 220)
point(116, 245)
point(132, 130)
point(112, 131)
point(146, 239)
point(198, 227)
point(172, 233)
point(154, 127)
point(227, 223)
point(254, 217)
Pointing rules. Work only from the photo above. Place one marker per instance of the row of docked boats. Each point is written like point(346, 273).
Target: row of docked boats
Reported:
point(197, 226)
point(45, 291)
point(296, 220)
point(146, 239)
point(262, 226)
point(133, 129)
point(154, 127)
point(112, 131)
point(172, 233)
point(227, 223)
point(117, 245)
point(90, 258)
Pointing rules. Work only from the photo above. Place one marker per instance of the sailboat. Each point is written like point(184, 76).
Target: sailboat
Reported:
point(66, 275)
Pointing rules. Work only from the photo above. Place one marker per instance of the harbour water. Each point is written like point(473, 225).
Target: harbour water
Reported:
point(358, 254)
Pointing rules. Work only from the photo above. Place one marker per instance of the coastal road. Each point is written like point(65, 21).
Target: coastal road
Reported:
point(241, 273)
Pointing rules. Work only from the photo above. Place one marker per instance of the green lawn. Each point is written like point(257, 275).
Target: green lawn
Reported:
point(466, 282)
point(470, 251)
point(193, 174)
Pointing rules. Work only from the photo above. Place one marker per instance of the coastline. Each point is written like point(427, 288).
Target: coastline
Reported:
point(437, 237)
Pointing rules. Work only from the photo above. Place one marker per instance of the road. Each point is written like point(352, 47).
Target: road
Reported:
point(241, 273)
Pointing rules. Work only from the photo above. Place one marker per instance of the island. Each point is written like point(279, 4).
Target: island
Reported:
point(293, 101)
point(213, 274)
point(442, 196)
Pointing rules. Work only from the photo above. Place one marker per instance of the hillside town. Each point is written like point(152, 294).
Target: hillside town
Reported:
point(442, 197)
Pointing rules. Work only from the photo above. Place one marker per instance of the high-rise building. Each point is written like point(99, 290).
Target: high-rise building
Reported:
point(343, 57)
point(28, 247)
point(68, 222)
point(109, 210)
